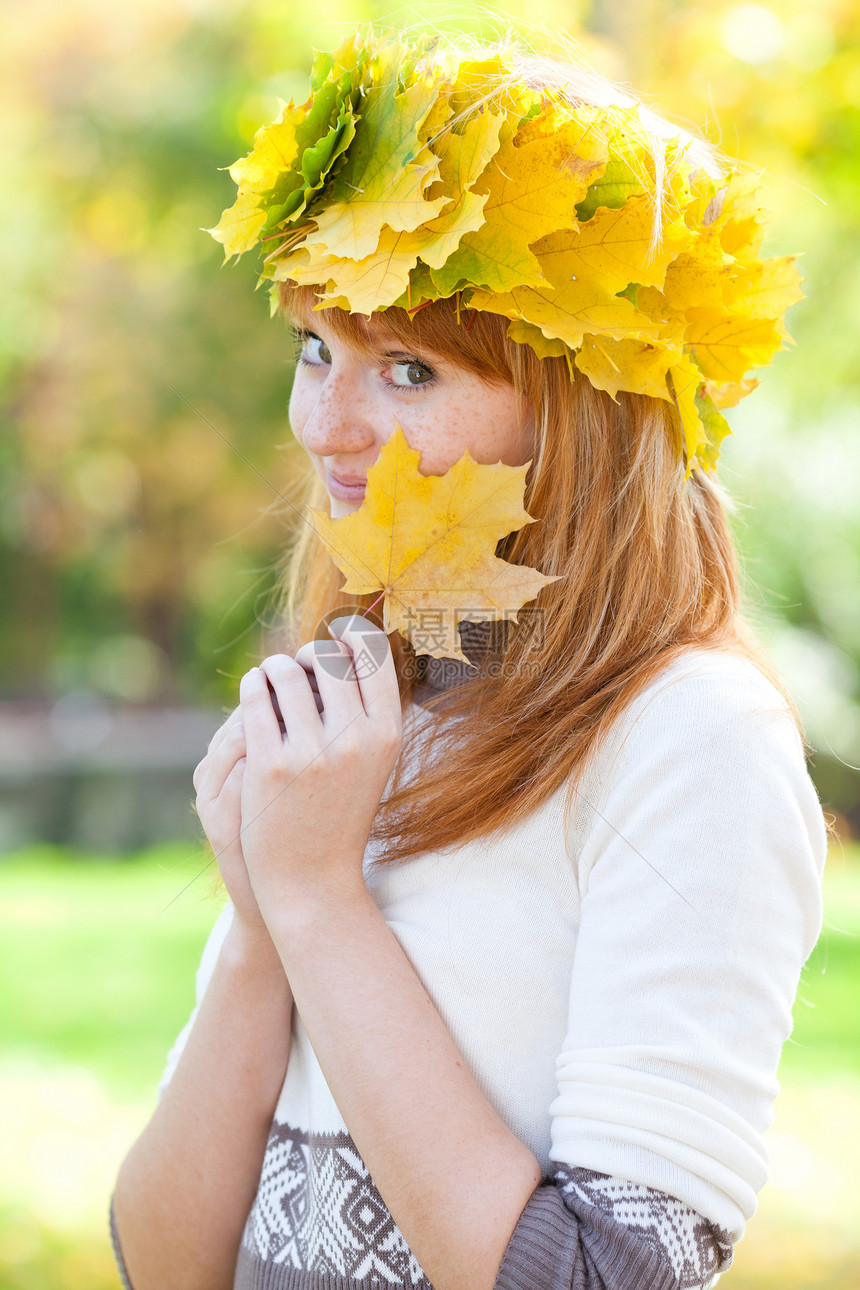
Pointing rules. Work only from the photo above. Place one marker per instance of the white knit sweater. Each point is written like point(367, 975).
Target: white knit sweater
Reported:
point(620, 986)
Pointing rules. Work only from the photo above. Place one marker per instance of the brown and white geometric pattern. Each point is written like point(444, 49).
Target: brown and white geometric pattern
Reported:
point(318, 1214)
point(698, 1251)
point(317, 1209)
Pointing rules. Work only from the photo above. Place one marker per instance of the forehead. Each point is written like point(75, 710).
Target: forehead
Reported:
point(365, 335)
point(435, 332)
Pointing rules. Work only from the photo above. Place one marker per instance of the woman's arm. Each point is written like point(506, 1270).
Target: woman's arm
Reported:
point(453, 1175)
point(185, 1188)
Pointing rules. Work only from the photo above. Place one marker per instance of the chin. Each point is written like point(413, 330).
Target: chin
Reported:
point(339, 508)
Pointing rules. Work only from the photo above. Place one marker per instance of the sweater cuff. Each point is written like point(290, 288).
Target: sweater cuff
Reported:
point(582, 1230)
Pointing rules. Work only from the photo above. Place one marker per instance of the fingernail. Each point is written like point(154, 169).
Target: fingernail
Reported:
point(354, 622)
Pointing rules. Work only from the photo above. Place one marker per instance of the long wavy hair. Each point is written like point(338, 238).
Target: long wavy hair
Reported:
point(646, 565)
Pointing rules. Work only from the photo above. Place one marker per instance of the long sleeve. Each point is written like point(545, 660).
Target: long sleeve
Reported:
point(583, 1230)
point(700, 863)
point(700, 847)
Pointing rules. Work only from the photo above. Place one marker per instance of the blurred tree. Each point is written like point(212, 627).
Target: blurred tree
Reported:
point(125, 515)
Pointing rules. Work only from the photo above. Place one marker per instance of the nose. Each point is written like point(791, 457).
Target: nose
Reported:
point(339, 421)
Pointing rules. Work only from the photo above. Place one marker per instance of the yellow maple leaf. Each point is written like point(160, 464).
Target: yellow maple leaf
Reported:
point(614, 247)
point(473, 76)
point(670, 322)
point(726, 347)
point(767, 289)
point(532, 188)
point(614, 365)
point(275, 149)
point(728, 394)
point(738, 215)
point(685, 380)
point(699, 276)
point(565, 308)
point(360, 286)
point(238, 229)
point(465, 156)
point(274, 152)
point(428, 542)
point(437, 119)
point(526, 333)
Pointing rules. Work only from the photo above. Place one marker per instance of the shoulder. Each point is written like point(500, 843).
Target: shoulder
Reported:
point(712, 677)
point(707, 700)
point(717, 736)
point(706, 758)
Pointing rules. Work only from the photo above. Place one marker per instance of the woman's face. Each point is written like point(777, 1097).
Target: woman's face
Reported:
point(344, 405)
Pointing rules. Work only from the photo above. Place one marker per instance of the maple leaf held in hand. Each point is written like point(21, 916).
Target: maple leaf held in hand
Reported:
point(428, 542)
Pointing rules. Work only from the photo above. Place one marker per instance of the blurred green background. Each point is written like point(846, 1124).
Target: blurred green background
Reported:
point(139, 549)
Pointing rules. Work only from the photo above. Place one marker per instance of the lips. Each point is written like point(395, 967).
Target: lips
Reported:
point(351, 489)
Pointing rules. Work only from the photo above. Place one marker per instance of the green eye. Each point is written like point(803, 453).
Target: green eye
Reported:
point(314, 350)
point(405, 374)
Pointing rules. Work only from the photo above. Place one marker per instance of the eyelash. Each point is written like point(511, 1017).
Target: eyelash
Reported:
point(300, 337)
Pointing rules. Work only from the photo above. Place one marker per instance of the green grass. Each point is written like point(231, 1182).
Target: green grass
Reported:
point(97, 965)
point(97, 959)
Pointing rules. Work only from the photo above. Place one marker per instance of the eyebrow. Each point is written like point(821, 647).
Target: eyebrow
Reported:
point(388, 356)
point(397, 356)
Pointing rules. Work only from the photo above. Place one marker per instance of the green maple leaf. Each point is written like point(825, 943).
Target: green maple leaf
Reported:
point(716, 429)
point(385, 172)
point(621, 179)
point(323, 136)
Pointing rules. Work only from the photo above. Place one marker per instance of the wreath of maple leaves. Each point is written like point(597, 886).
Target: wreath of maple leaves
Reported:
point(413, 174)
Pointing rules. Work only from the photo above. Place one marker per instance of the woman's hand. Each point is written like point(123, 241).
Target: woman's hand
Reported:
point(309, 793)
point(218, 781)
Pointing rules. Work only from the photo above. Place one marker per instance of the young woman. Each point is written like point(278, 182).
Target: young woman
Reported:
point(511, 948)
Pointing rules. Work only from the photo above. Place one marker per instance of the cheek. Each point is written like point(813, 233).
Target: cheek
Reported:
point(524, 438)
point(298, 409)
point(507, 429)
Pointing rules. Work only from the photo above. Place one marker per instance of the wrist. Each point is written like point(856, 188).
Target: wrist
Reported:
point(314, 907)
point(248, 948)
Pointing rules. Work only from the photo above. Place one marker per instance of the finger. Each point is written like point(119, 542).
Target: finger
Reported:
point(295, 698)
point(231, 790)
point(331, 665)
point(229, 803)
point(215, 767)
point(262, 733)
point(373, 663)
point(224, 729)
point(273, 699)
point(312, 680)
